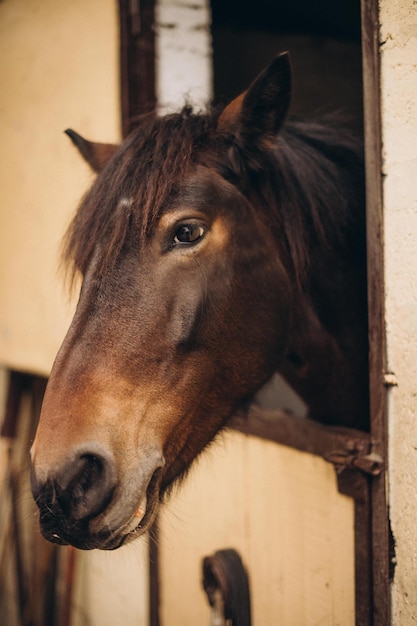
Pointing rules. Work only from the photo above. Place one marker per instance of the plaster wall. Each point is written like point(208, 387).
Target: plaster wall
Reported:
point(398, 36)
point(59, 68)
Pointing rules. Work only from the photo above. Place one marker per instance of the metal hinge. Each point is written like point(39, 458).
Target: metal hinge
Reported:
point(371, 463)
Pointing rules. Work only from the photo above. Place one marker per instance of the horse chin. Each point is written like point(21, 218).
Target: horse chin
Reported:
point(140, 522)
point(92, 535)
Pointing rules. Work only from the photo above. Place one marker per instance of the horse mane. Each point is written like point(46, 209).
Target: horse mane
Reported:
point(324, 162)
point(310, 187)
point(311, 184)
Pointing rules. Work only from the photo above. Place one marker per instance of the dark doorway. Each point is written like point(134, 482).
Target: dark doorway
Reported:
point(324, 40)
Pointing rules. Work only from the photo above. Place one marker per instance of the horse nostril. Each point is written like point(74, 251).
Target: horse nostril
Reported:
point(85, 486)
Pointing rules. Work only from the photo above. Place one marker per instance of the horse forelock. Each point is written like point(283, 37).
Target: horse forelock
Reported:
point(133, 190)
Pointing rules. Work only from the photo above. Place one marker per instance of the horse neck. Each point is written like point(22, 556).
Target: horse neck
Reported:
point(328, 368)
point(324, 224)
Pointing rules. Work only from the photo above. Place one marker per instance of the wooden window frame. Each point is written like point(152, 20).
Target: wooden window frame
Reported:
point(360, 458)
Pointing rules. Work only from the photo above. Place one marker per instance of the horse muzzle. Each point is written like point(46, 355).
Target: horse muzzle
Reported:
point(84, 503)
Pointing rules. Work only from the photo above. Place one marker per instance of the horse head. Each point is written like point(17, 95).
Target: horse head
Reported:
point(183, 314)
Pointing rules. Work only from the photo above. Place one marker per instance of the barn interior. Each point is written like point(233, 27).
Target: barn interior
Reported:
point(324, 40)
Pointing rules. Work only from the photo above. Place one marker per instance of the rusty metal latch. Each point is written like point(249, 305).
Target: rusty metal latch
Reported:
point(370, 463)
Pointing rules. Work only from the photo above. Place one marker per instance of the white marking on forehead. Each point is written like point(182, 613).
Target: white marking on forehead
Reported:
point(125, 203)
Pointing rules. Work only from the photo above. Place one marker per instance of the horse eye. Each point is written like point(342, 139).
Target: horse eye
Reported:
point(188, 234)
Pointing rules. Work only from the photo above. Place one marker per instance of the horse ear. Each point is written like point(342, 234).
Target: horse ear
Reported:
point(97, 155)
point(262, 108)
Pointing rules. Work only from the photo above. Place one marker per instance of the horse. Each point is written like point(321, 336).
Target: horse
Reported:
point(215, 248)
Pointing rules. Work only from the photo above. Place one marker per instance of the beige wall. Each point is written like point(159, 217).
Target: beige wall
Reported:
point(59, 68)
point(399, 110)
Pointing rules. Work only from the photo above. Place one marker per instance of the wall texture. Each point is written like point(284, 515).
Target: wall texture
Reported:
point(399, 110)
point(58, 70)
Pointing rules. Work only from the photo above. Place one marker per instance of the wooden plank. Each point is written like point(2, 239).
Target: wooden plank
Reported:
point(376, 306)
point(356, 485)
point(281, 510)
point(328, 442)
point(72, 84)
point(302, 433)
point(137, 59)
point(154, 595)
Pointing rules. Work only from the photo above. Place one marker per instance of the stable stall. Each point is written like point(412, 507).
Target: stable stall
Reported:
point(304, 505)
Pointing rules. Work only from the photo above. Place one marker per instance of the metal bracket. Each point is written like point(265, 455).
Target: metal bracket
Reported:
point(371, 463)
